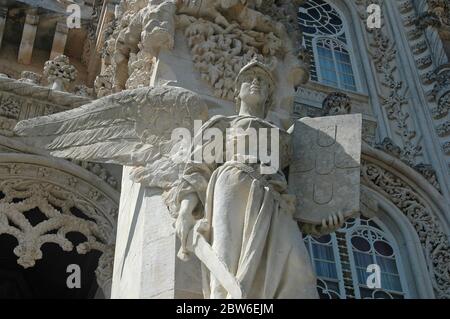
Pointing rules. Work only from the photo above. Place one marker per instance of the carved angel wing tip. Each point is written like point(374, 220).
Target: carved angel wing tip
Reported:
point(129, 128)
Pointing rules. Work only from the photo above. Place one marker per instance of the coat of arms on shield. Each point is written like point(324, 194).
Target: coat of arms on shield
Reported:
point(325, 172)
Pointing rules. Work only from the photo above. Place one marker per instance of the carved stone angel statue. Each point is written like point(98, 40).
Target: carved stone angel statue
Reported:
point(249, 215)
point(238, 220)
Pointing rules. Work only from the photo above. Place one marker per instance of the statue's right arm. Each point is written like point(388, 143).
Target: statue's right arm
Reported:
point(185, 222)
point(191, 192)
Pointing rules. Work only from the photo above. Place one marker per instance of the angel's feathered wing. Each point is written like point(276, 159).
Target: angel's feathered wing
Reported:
point(130, 128)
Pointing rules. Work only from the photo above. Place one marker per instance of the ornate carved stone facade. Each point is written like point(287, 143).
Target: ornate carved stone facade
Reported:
point(433, 238)
point(27, 183)
point(396, 76)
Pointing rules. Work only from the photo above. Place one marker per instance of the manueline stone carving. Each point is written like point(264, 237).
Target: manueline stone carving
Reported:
point(435, 242)
point(144, 115)
point(441, 92)
point(425, 170)
point(17, 96)
point(220, 53)
point(437, 16)
point(59, 73)
point(446, 148)
point(140, 68)
point(429, 173)
point(134, 128)
point(29, 186)
point(384, 53)
point(30, 77)
point(390, 147)
point(337, 103)
point(222, 44)
point(223, 36)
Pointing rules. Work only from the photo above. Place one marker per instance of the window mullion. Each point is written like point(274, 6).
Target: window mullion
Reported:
point(339, 84)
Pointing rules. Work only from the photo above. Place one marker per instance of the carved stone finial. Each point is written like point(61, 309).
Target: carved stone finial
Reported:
point(59, 73)
point(336, 103)
point(30, 77)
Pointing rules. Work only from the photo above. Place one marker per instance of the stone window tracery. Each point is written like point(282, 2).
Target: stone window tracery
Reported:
point(324, 257)
point(325, 37)
point(42, 204)
point(340, 261)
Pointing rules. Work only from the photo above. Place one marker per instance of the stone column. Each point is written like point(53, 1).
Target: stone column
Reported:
point(97, 42)
point(145, 262)
point(59, 40)
point(3, 13)
point(28, 37)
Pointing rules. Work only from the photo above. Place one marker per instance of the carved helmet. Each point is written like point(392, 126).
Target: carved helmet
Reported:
point(262, 68)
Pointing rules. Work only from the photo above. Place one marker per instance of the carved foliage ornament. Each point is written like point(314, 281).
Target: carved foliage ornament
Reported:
point(384, 53)
point(427, 170)
point(435, 242)
point(225, 39)
point(337, 103)
point(441, 92)
point(223, 36)
point(220, 53)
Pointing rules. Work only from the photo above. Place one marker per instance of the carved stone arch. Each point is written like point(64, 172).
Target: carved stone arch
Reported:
point(412, 257)
point(421, 204)
point(72, 200)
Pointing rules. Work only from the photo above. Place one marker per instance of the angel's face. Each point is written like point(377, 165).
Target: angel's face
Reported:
point(254, 90)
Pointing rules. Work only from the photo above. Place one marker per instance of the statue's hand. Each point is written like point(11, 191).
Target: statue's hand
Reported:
point(333, 223)
point(184, 224)
point(329, 225)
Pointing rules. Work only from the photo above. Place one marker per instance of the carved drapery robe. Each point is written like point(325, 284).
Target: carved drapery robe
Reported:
point(251, 228)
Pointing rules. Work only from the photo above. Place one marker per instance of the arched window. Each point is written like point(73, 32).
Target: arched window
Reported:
point(325, 260)
point(340, 261)
point(324, 35)
point(370, 245)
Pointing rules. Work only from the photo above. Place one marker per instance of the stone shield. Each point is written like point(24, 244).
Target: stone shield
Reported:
point(325, 172)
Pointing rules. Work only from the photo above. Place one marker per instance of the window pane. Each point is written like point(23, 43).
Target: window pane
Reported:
point(383, 248)
point(325, 269)
point(387, 265)
point(323, 252)
point(326, 64)
point(345, 69)
point(360, 243)
point(390, 282)
point(361, 275)
point(343, 57)
point(362, 259)
point(347, 80)
point(323, 52)
point(329, 76)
